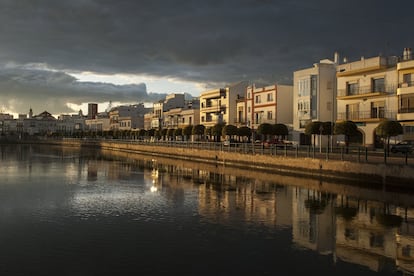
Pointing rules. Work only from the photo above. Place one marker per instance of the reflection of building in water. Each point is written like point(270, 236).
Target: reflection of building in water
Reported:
point(92, 170)
point(313, 226)
point(365, 233)
point(405, 242)
point(254, 201)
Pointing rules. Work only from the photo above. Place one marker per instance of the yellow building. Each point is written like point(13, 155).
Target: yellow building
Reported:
point(405, 92)
point(367, 94)
point(219, 105)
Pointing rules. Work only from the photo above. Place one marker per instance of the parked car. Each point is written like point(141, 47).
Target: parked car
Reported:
point(231, 142)
point(403, 146)
point(278, 143)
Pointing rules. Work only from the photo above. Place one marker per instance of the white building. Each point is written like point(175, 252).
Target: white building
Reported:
point(314, 96)
point(269, 104)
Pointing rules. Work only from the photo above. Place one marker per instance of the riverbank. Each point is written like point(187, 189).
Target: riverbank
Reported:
point(364, 173)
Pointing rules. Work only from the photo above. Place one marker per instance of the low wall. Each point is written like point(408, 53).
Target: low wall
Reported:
point(371, 174)
point(398, 174)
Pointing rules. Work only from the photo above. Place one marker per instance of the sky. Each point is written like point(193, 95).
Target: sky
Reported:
point(58, 55)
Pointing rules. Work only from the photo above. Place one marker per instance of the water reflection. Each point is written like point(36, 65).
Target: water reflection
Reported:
point(373, 228)
point(118, 202)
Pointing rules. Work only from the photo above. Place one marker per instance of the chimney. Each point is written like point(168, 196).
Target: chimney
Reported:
point(336, 58)
point(409, 54)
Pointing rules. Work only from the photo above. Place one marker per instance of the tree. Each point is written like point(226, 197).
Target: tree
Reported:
point(207, 132)
point(141, 133)
point(346, 128)
point(187, 131)
point(244, 131)
point(229, 130)
point(163, 133)
point(216, 131)
point(170, 133)
point(326, 128)
point(151, 132)
point(178, 132)
point(312, 129)
point(387, 129)
point(265, 129)
point(280, 130)
point(198, 130)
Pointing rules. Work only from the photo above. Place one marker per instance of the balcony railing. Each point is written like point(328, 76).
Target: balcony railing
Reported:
point(406, 84)
point(389, 89)
point(366, 115)
point(406, 110)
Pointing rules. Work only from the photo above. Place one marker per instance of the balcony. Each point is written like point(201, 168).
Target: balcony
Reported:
point(365, 91)
point(373, 115)
point(364, 65)
point(405, 88)
point(214, 94)
point(406, 84)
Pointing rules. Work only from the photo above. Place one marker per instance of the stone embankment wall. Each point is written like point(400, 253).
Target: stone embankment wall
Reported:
point(402, 175)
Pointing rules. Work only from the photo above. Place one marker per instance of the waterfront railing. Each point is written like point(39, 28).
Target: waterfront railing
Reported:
point(351, 153)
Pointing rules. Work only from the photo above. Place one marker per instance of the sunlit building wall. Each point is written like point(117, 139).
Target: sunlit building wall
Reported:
point(314, 97)
point(405, 93)
point(218, 106)
point(367, 94)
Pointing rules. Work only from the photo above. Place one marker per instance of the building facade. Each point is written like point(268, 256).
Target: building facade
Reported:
point(367, 94)
point(218, 106)
point(269, 104)
point(405, 94)
point(314, 97)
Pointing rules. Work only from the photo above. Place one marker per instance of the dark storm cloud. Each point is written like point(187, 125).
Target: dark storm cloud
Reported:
point(205, 41)
point(25, 87)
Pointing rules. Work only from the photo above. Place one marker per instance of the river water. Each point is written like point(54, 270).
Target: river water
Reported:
point(65, 211)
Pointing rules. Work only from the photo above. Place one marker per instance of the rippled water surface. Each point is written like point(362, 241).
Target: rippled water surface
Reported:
point(69, 212)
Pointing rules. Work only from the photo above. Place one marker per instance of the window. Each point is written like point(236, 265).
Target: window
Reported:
point(352, 111)
point(406, 103)
point(352, 88)
point(378, 85)
point(378, 109)
point(258, 99)
point(270, 97)
point(269, 115)
point(303, 87)
point(407, 80)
